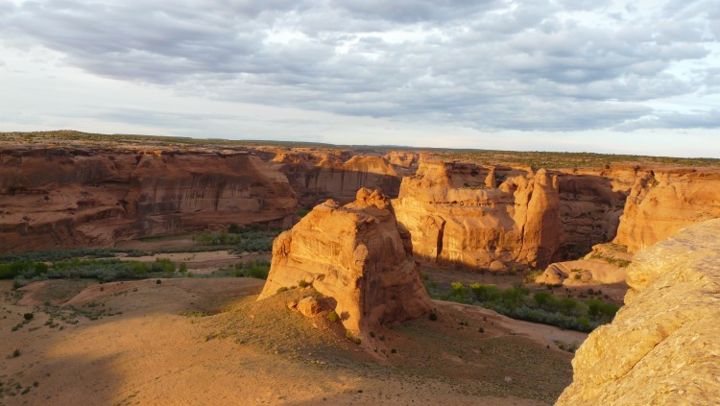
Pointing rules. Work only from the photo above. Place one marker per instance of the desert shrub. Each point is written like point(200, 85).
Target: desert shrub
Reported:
point(513, 297)
point(304, 284)
point(28, 316)
point(599, 309)
point(162, 265)
point(332, 316)
point(182, 268)
point(103, 270)
point(257, 269)
point(485, 293)
point(540, 307)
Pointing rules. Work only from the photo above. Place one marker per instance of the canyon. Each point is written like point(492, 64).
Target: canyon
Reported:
point(500, 217)
point(390, 269)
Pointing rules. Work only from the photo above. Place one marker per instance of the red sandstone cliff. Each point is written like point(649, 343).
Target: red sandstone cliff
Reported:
point(61, 197)
point(664, 201)
point(316, 175)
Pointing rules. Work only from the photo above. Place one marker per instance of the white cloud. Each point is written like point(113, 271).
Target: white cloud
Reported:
point(529, 70)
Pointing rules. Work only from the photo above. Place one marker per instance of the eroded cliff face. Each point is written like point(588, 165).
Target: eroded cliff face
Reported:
point(455, 213)
point(336, 174)
point(62, 197)
point(356, 255)
point(663, 201)
point(663, 348)
point(591, 203)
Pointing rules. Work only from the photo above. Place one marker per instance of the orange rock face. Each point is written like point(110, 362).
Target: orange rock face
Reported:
point(664, 201)
point(454, 215)
point(64, 197)
point(356, 255)
point(319, 175)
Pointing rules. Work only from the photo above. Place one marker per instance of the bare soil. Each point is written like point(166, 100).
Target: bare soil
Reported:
point(208, 341)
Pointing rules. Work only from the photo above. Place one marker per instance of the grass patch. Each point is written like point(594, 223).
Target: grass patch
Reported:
point(257, 269)
point(103, 270)
point(540, 307)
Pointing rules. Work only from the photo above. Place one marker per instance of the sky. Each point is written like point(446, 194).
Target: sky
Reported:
point(640, 77)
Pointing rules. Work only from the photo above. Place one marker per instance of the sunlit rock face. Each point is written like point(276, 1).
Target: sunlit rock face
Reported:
point(63, 197)
point(316, 175)
point(356, 255)
point(664, 201)
point(481, 217)
point(663, 348)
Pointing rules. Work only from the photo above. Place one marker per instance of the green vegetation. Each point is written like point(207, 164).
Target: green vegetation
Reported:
point(104, 270)
point(332, 316)
point(541, 307)
point(257, 269)
point(249, 239)
point(536, 159)
point(620, 263)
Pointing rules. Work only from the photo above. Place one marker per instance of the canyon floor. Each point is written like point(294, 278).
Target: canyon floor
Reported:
point(207, 341)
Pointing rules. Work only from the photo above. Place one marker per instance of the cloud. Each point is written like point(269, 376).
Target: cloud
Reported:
point(547, 65)
point(673, 120)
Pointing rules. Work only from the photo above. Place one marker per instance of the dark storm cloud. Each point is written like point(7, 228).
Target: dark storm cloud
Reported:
point(488, 64)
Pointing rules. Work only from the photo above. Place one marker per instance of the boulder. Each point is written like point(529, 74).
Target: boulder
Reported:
point(309, 306)
point(355, 255)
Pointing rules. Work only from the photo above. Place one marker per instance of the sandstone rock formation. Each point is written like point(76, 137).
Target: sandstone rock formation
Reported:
point(453, 216)
point(356, 255)
point(663, 348)
point(336, 174)
point(663, 201)
point(591, 203)
point(59, 197)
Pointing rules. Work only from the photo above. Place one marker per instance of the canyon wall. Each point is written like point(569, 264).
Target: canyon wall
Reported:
point(356, 255)
point(663, 201)
point(664, 345)
point(64, 197)
point(316, 175)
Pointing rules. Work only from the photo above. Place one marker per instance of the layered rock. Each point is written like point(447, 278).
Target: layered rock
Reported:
point(61, 197)
point(663, 201)
point(663, 348)
point(336, 174)
point(454, 214)
point(591, 203)
point(356, 255)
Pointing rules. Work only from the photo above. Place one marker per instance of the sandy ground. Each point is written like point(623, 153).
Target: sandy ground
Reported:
point(208, 342)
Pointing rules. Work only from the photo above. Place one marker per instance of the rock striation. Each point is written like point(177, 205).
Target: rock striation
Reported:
point(317, 175)
point(63, 197)
point(664, 201)
point(356, 255)
point(663, 348)
point(455, 213)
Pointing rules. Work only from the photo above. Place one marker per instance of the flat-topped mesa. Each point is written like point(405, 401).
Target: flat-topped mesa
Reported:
point(454, 215)
point(355, 254)
point(663, 348)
